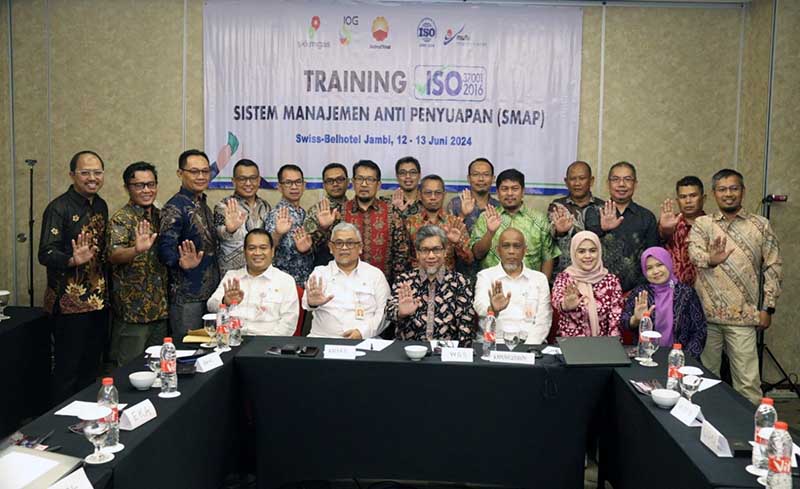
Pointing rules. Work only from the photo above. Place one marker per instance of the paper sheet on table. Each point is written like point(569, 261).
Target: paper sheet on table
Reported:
point(374, 344)
point(551, 350)
point(75, 407)
point(156, 350)
point(190, 338)
point(707, 384)
point(795, 452)
point(76, 479)
point(20, 469)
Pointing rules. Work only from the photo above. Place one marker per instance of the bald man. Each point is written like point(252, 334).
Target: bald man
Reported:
point(519, 296)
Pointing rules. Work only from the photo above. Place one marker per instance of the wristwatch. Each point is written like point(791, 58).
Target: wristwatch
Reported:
point(769, 310)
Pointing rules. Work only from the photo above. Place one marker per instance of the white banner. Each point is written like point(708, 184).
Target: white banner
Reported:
point(312, 82)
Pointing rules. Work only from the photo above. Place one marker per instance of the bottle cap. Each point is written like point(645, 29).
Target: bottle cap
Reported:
point(646, 314)
point(781, 425)
point(167, 340)
point(108, 381)
point(490, 313)
point(234, 303)
point(677, 346)
point(768, 400)
point(222, 306)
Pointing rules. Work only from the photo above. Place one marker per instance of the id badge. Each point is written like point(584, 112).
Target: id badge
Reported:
point(359, 312)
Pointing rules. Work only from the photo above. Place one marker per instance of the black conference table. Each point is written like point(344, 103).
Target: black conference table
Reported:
point(25, 363)
point(192, 443)
point(382, 416)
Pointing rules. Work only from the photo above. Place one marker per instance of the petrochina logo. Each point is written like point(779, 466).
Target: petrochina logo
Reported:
point(380, 29)
point(451, 35)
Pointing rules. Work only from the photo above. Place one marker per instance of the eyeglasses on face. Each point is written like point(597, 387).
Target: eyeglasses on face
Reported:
point(339, 244)
point(360, 180)
point(196, 172)
point(292, 183)
point(139, 186)
point(331, 181)
point(252, 179)
point(436, 250)
point(90, 173)
point(407, 173)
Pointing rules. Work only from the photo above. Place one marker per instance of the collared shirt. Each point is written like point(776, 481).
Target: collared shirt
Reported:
point(608, 301)
point(72, 290)
point(187, 216)
point(729, 291)
point(320, 237)
point(623, 245)
point(359, 301)
point(578, 224)
point(445, 311)
point(462, 249)
point(138, 288)
point(287, 258)
point(678, 247)
point(454, 208)
point(529, 306)
point(532, 224)
point(231, 245)
point(269, 304)
point(383, 233)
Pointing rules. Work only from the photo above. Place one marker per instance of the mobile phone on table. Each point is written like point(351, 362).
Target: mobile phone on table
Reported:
point(273, 350)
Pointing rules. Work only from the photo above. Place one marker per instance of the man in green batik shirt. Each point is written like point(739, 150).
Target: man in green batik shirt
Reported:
point(532, 224)
point(139, 292)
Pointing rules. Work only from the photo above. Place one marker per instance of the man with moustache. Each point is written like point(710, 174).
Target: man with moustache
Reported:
point(470, 203)
point(139, 281)
point(515, 293)
point(72, 247)
point(347, 296)
point(568, 214)
point(237, 214)
point(541, 251)
point(738, 265)
point(334, 181)
point(432, 198)
point(625, 228)
point(187, 244)
point(674, 229)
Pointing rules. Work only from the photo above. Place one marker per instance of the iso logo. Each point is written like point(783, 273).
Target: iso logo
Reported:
point(426, 30)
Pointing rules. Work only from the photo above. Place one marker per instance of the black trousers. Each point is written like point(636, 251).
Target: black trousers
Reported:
point(79, 341)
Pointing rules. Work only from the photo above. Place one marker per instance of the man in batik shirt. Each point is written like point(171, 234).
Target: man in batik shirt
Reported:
point(187, 244)
point(432, 302)
point(334, 181)
point(72, 247)
point(139, 280)
point(674, 229)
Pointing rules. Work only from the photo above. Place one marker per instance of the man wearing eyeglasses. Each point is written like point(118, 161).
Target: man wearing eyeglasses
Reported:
point(406, 198)
point(347, 296)
point(72, 247)
point(139, 280)
point(432, 199)
point(625, 228)
point(335, 182)
point(237, 214)
point(187, 244)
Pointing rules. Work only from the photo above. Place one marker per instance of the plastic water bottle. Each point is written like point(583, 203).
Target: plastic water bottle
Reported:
point(645, 324)
point(489, 328)
point(779, 454)
point(109, 397)
point(676, 361)
point(765, 417)
point(236, 325)
point(169, 369)
point(223, 328)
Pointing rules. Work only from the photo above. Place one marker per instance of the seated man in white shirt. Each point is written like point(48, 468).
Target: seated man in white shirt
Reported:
point(518, 295)
point(347, 296)
point(267, 297)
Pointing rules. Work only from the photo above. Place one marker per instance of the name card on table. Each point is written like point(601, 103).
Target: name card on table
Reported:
point(206, 363)
point(714, 440)
point(688, 413)
point(76, 480)
point(340, 352)
point(512, 357)
point(463, 355)
point(137, 415)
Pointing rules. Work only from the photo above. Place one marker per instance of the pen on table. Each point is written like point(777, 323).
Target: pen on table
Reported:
point(54, 448)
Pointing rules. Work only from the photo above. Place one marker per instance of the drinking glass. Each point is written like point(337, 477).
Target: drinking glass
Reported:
point(650, 339)
point(690, 384)
point(511, 337)
point(155, 366)
point(4, 297)
point(96, 431)
point(210, 326)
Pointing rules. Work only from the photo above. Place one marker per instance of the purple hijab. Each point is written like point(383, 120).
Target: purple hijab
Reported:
point(663, 294)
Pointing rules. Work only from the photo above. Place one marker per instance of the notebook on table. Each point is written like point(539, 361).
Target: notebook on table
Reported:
point(593, 351)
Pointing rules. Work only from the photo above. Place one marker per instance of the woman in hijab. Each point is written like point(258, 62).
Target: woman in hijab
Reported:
point(587, 298)
point(674, 307)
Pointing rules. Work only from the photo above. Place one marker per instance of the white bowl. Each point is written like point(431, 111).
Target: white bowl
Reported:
point(416, 352)
point(142, 380)
point(665, 398)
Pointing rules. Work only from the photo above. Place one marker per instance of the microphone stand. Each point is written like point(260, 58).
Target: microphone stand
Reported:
point(31, 164)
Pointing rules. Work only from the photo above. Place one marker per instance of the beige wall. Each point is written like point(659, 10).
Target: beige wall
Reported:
point(108, 75)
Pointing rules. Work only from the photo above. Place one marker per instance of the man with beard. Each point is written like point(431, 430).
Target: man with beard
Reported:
point(738, 259)
point(334, 181)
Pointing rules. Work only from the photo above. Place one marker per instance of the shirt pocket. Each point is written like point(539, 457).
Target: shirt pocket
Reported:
point(366, 298)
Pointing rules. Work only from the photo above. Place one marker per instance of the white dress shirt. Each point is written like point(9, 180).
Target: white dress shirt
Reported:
point(359, 301)
point(529, 306)
point(269, 306)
